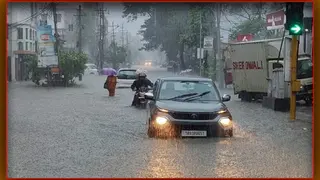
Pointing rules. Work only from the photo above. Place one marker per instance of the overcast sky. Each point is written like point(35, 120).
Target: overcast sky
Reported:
point(115, 15)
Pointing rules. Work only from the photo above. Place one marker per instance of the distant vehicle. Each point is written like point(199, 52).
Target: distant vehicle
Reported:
point(186, 107)
point(148, 63)
point(91, 69)
point(126, 76)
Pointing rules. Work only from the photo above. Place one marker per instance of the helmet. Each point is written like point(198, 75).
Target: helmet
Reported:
point(142, 74)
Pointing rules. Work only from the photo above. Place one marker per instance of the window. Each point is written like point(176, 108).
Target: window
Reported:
point(31, 48)
point(20, 46)
point(304, 69)
point(58, 17)
point(27, 33)
point(35, 36)
point(30, 34)
point(26, 45)
point(20, 33)
point(170, 89)
point(127, 74)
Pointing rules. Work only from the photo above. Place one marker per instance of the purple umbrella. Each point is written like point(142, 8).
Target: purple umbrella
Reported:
point(109, 71)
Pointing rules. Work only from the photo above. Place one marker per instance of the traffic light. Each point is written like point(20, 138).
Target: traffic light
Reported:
point(294, 16)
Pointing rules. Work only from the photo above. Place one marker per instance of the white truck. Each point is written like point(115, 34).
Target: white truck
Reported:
point(252, 66)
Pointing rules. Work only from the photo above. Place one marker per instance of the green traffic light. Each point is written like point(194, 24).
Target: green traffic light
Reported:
point(295, 29)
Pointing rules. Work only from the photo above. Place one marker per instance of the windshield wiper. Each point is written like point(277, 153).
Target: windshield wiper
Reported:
point(196, 96)
point(182, 96)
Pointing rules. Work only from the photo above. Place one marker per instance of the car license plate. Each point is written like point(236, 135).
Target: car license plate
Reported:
point(310, 91)
point(193, 133)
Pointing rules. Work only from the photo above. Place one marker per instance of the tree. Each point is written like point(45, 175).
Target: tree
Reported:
point(252, 19)
point(116, 55)
point(72, 64)
point(176, 28)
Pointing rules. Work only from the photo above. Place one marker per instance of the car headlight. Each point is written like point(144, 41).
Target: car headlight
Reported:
point(161, 120)
point(301, 88)
point(225, 121)
point(222, 111)
point(163, 110)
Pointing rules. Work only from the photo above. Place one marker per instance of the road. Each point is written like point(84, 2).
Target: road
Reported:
point(81, 132)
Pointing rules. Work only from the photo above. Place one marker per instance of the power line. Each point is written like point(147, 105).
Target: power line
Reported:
point(13, 27)
point(16, 24)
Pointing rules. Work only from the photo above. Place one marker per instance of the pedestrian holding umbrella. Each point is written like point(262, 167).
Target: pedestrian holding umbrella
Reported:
point(111, 81)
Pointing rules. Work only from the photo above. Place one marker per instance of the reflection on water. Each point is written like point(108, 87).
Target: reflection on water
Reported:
point(161, 164)
point(194, 157)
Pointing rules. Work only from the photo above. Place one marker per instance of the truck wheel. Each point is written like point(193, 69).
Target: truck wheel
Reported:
point(249, 97)
point(245, 96)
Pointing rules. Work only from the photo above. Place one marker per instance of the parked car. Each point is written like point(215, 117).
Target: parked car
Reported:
point(91, 69)
point(126, 77)
point(186, 107)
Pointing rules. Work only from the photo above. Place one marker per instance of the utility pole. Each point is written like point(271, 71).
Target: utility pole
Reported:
point(200, 42)
point(113, 39)
point(79, 15)
point(56, 34)
point(220, 65)
point(127, 38)
point(122, 36)
point(102, 33)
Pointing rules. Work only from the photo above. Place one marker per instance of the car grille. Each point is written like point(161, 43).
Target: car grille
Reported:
point(193, 116)
point(308, 87)
point(197, 127)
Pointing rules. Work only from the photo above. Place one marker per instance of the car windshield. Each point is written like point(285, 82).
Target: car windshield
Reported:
point(304, 69)
point(91, 66)
point(127, 74)
point(188, 91)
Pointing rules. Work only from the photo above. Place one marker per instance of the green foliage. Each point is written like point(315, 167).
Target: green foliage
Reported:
point(72, 64)
point(176, 27)
point(248, 27)
point(133, 10)
point(253, 20)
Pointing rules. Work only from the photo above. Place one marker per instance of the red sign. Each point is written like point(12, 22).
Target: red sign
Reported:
point(244, 37)
point(275, 20)
point(45, 37)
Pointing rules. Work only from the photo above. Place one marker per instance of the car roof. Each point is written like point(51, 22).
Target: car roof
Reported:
point(183, 78)
point(127, 69)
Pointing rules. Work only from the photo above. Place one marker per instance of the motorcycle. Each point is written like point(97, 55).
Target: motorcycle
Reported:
point(142, 102)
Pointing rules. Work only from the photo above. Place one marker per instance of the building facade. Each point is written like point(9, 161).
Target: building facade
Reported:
point(22, 39)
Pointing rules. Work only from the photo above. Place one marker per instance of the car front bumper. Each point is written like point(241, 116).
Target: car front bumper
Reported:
point(175, 126)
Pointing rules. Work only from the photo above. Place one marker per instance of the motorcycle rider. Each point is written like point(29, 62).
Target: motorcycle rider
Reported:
point(141, 80)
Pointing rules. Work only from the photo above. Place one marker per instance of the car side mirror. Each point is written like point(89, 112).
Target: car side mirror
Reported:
point(149, 96)
point(226, 98)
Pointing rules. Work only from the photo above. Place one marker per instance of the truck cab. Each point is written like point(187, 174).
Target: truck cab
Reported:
point(304, 75)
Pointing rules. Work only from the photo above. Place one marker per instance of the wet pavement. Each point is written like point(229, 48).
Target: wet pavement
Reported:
point(81, 132)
